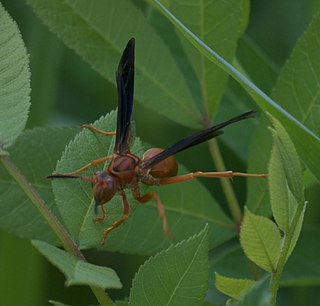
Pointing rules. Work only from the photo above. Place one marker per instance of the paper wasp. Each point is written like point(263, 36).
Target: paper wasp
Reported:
point(156, 167)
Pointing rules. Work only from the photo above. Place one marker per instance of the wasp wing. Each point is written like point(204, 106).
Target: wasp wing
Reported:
point(194, 139)
point(125, 85)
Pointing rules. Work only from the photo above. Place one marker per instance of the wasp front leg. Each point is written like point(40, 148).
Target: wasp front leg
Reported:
point(125, 214)
point(96, 130)
point(102, 217)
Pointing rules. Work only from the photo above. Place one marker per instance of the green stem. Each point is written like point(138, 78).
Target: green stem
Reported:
point(275, 282)
point(52, 221)
point(232, 201)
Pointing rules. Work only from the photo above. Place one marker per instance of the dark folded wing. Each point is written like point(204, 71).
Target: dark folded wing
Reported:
point(193, 140)
point(125, 85)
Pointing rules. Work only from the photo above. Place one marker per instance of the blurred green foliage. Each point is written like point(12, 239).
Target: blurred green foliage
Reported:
point(67, 92)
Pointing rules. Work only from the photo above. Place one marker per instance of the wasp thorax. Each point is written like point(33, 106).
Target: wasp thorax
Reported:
point(124, 168)
point(104, 187)
point(166, 168)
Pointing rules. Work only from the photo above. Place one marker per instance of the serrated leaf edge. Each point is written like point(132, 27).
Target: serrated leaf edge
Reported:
point(203, 232)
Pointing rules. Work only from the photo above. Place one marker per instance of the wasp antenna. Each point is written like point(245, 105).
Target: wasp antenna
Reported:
point(68, 176)
point(58, 175)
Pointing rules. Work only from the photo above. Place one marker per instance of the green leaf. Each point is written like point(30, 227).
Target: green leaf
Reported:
point(279, 191)
point(233, 287)
point(176, 276)
point(301, 269)
point(189, 206)
point(245, 6)
point(251, 56)
point(306, 142)
point(216, 23)
point(258, 295)
point(260, 240)
point(290, 161)
point(34, 154)
point(14, 82)
point(297, 229)
point(297, 90)
point(286, 190)
point(99, 30)
point(78, 272)
point(298, 85)
point(283, 203)
point(258, 190)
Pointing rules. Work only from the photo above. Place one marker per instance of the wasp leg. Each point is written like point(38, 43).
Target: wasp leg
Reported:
point(93, 163)
point(162, 214)
point(102, 218)
point(96, 130)
point(190, 176)
point(125, 214)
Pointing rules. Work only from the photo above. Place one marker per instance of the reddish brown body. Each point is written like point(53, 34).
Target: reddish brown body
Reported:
point(158, 166)
point(166, 168)
point(124, 172)
point(124, 167)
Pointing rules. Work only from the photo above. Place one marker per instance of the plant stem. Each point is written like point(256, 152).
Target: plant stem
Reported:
point(275, 282)
point(35, 198)
point(62, 234)
point(232, 201)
